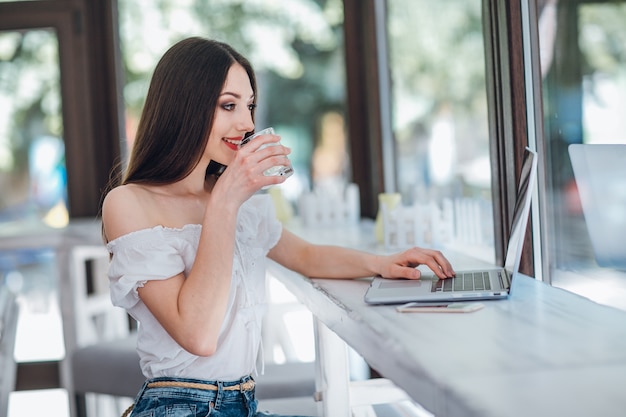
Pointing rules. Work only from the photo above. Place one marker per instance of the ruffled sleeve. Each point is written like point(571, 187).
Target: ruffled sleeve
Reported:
point(258, 222)
point(151, 254)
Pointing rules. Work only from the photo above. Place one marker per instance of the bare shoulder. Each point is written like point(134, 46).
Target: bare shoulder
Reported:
point(126, 209)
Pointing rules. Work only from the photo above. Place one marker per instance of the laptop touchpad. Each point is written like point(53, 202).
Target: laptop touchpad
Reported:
point(403, 284)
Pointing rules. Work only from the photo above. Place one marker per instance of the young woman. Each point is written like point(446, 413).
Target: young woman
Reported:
point(188, 237)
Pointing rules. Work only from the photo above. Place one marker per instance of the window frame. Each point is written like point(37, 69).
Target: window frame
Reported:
point(363, 112)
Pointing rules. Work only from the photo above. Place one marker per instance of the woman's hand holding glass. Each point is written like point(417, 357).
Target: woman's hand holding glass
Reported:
point(258, 142)
point(248, 171)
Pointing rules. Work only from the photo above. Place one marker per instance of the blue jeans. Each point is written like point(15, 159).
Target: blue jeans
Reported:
point(192, 402)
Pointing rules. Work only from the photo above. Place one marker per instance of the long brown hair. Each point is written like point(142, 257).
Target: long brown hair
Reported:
point(178, 113)
point(179, 109)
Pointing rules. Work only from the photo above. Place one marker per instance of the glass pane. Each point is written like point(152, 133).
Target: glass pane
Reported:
point(296, 48)
point(584, 87)
point(32, 156)
point(32, 180)
point(439, 110)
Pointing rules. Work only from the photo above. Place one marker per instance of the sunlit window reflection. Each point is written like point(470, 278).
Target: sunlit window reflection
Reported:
point(439, 113)
point(583, 61)
point(32, 154)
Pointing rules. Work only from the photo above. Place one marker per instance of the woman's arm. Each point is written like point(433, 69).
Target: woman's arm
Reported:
point(191, 309)
point(325, 261)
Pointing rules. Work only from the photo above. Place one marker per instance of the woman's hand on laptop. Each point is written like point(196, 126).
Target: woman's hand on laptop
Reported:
point(404, 264)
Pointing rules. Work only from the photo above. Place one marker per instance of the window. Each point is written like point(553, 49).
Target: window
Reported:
point(33, 183)
point(32, 151)
point(439, 117)
point(583, 65)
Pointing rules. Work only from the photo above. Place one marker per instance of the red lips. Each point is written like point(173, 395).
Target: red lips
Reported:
point(232, 143)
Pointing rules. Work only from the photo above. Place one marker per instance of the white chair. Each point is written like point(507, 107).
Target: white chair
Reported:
point(8, 324)
point(287, 386)
point(101, 367)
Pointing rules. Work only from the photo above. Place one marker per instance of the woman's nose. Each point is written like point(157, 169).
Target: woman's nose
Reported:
point(245, 122)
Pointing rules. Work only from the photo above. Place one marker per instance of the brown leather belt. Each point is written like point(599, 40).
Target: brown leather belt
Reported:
point(246, 386)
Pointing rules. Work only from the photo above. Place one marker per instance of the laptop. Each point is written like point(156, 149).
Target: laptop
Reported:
point(600, 173)
point(493, 282)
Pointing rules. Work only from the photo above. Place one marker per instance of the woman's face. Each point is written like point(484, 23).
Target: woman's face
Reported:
point(233, 116)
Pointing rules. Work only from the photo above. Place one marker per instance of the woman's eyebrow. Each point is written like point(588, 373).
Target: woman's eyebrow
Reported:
point(228, 93)
point(235, 95)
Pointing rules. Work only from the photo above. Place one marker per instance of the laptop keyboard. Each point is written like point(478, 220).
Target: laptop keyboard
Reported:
point(469, 281)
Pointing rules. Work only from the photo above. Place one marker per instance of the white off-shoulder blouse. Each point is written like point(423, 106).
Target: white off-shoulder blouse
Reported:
point(160, 253)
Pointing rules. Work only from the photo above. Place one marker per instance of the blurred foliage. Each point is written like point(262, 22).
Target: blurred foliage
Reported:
point(30, 93)
point(439, 106)
point(295, 47)
point(436, 54)
point(31, 110)
point(437, 66)
point(602, 38)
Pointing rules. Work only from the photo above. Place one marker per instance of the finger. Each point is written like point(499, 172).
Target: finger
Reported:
point(436, 268)
point(439, 265)
point(277, 149)
point(400, 271)
point(445, 265)
point(263, 142)
point(258, 139)
point(261, 166)
point(409, 272)
point(433, 259)
point(251, 155)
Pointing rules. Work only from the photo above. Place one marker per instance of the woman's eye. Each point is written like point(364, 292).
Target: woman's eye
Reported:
point(251, 107)
point(228, 106)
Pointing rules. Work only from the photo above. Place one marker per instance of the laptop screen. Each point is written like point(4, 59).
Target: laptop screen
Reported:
point(518, 225)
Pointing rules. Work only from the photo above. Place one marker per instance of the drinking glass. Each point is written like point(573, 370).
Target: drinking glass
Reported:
point(279, 170)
